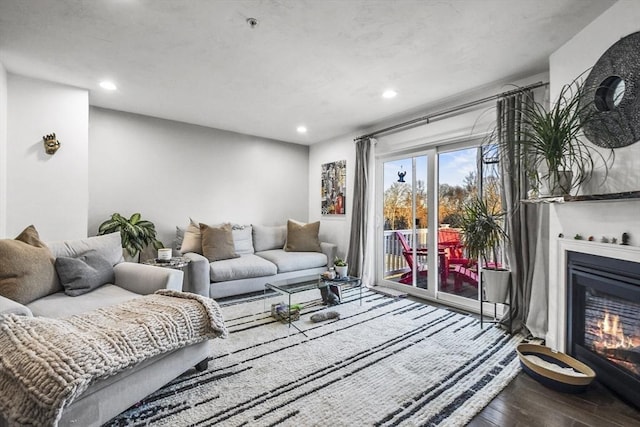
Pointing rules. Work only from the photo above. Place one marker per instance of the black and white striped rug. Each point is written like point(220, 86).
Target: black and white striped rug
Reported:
point(386, 362)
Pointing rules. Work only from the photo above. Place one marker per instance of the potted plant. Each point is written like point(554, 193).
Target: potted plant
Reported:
point(341, 267)
point(482, 235)
point(558, 156)
point(136, 233)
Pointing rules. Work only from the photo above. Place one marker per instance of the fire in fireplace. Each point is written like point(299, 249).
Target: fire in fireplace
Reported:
point(615, 337)
point(603, 309)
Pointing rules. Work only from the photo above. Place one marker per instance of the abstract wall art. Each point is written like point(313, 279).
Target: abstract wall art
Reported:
point(334, 188)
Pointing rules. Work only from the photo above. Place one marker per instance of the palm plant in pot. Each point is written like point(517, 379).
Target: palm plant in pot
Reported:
point(482, 235)
point(136, 233)
point(557, 154)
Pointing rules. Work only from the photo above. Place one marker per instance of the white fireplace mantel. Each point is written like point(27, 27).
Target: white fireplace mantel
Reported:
point(556, 335)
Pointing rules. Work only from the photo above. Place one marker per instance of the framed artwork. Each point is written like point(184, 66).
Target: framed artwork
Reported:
point(334, 188)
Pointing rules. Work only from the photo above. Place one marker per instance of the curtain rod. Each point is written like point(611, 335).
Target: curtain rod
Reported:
point(426, 119)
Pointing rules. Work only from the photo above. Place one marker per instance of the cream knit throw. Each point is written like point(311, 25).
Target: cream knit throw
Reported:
point(47, 363)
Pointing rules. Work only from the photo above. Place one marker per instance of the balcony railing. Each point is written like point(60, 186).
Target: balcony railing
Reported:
point(394, 261)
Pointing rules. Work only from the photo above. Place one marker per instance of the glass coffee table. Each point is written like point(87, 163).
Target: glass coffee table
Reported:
point(290, 287)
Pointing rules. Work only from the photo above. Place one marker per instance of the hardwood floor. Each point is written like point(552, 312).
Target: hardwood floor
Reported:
point(525, 402)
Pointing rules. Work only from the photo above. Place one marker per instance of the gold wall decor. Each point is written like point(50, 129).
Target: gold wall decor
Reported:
point(51, 144)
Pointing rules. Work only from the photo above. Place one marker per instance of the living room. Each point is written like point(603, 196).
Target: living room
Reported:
point(113, 158)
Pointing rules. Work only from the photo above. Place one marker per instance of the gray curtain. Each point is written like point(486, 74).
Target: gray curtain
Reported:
point(360, 209)
point(522, 218)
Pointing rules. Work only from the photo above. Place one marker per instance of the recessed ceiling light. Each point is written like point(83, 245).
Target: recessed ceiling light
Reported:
point(107, 85)
point(389, 93)
point(301, 129)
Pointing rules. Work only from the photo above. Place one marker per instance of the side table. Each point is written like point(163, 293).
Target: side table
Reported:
point(178, 263)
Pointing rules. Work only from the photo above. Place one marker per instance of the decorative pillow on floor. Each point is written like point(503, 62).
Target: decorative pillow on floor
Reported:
point(217, 242)
point(83, 274)
point(303, 237)
point(26, 268)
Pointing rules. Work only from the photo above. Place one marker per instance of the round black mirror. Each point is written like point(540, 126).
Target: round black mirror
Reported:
point(610, 104)
point(610, 93)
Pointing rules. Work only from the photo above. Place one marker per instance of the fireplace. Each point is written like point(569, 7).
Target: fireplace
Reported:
point(603, 319)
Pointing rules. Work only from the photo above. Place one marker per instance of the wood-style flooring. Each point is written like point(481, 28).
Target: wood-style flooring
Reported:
point(525, 402)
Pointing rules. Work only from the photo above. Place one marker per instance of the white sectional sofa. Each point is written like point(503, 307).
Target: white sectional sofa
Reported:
point(107, 397)
point(263, 257)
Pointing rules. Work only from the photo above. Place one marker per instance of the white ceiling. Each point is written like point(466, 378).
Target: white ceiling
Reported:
point(322, 63)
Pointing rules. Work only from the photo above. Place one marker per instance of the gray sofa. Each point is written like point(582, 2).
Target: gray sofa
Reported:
point(108, 397)
point(262, 260)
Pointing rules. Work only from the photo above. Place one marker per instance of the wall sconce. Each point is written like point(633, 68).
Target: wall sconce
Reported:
point(51, 144)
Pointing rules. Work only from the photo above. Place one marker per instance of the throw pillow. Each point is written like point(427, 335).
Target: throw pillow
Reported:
point(26, 268)
point(192, 241)
point(217, 242)
point(179, 237)
point(84, 273)
point(303, 237)
point(242, 239)
point(266, 238)
point(107, 245)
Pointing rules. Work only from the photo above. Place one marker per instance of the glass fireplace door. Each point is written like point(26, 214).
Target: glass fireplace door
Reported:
point(602, 318)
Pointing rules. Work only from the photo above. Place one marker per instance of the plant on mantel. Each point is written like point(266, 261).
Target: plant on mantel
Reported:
point(556, 152)
point(136, 233)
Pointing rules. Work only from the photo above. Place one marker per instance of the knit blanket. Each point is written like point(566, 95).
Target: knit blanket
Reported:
point(45, 364)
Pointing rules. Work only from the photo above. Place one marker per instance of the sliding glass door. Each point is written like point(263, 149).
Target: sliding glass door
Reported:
point(405, 213)
point(421, 249)
point(457, 181)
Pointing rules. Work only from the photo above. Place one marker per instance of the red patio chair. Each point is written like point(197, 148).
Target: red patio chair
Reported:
point(407, 278)
point(449, 240)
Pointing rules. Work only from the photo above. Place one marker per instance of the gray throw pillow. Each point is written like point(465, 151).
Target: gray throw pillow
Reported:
point(83, 274)
point(266, 238)
point(217, 242)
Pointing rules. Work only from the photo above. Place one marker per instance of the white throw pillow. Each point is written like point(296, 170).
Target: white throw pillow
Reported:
point(243, 239)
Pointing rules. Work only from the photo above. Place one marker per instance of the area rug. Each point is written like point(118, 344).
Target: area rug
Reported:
point(385, 362)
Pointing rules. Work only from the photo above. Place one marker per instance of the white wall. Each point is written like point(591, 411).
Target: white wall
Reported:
point(597, 219)
point(3, 151)
point(50, 192)
point(170, 171)
point(333, 228)
point(568, 62)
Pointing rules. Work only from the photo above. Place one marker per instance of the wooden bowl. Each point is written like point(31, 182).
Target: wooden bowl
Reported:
point(555, 380)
